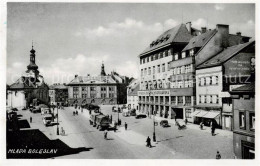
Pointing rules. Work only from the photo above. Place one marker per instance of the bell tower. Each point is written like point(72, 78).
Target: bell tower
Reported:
point(103, 73)
point(32, 66)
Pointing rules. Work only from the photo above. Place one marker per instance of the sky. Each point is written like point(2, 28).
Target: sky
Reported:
point(74, 38)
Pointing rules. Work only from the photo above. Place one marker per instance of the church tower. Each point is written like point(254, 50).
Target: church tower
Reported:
point(103, 73)
point(32, 67)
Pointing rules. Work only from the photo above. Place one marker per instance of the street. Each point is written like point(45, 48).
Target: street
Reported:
point(131, 144)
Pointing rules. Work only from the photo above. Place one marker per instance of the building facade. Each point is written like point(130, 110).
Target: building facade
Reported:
point(216, 77)
point(155, 94)
point(29, 87)
point(132, 97)
point(101, 89)
point(58, 94)
point(244, 121)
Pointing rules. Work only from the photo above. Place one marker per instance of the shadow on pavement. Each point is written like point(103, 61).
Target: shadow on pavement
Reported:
point(23, 123)
point(170, 138)
point(34, 144)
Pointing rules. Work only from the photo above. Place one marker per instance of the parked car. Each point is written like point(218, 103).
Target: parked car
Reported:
point(140, 116)
point(47, 119)
point(45, 111)
point(133, 112)
point(164, 123)
point(36, 109)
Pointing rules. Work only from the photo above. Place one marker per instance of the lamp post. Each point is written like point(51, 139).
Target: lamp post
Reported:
point(117, 112)
point(57, 121)
point(154, 136)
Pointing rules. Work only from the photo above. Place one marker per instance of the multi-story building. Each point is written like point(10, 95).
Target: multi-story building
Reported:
point(58, 94)
point(28, 88)
point(132, 97)
point(155, 95)
point(102, 89)
point(183, 82)
point(244, 121)
point(216, 77)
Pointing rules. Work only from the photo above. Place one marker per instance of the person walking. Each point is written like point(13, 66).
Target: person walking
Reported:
point(125, 126)
point(148, 142)
point(105, 134)
point(218, 156)
point(213, 128)
point(186, 121)
point(201, 125)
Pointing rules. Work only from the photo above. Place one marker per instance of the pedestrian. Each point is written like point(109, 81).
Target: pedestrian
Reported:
point(105, 134)
point(125, 126)
point(148, 142)
point(186, 121)
point(218, 156)
point(212, 128)
point(30, 119)
point(73, 113)
point(201, 125)
point(115, 127)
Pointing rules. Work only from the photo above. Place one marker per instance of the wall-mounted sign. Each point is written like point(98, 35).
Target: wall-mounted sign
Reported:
point(154, 93)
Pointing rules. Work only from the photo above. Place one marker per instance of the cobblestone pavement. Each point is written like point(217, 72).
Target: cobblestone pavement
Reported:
point(171, 142)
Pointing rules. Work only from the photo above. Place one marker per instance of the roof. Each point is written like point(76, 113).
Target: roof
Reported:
point(23, 82)
point(58, 86)
point(178, 34)
point(92, 80)
point(199, 41)
point(224, 55)
point(236, 39)
point(134, 91)
point(245, 88)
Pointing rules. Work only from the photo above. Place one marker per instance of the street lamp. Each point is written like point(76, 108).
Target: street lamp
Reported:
point(154, 136)
point(57, 121)
point(117, 112)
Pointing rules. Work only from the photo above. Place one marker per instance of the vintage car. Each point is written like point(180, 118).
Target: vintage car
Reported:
point(47, 119)
point(164, 123)
point(140, 116)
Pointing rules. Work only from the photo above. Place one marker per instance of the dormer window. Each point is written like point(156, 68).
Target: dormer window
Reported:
point(176, 56)
point(183, 54)
point(191, 52)
point(169, 52)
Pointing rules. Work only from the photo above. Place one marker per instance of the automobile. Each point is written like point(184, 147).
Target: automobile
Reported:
point(114, 109)
point(47, 119)
point(164, 123)
point(36, 109)
point(45, 111)
point(140, 116)
point(133, 112)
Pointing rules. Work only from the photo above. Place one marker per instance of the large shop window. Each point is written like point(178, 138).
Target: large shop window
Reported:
point(242, 120)
point(188, 113)
point(180, 100)
point(188, 100)
point(252, 121)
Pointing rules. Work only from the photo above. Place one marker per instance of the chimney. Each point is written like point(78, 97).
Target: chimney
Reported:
point(238, 33)
point(188, 26)
point(76, 75)
point(203, 29)
point(223, 31)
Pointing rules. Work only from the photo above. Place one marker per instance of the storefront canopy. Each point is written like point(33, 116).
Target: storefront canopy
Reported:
point(195, 113)
point(201, 114)
point(211, 115)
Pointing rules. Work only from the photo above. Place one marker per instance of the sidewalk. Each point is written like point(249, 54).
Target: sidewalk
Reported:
point(192, 126)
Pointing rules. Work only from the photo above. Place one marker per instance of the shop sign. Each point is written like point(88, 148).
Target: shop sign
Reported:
point(154, 93)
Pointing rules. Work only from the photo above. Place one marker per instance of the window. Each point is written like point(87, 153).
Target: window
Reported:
point(186, 68)
point(143, 60)
point(210, 99)
point(188, 113)
point(217, 99)
point(92, 88)
point(216, 80)
point(252, 121)
point(111, 88)
point(183, 54)
point(199, 98)
point(158, 69)
point(191, 52)
point(178, 70)
point(210, 80)
point(186, 84)
point(168, 67)
point(149, 71)
point(202, 81)
point(174, 71)
point(173, 99)
point(180, 100)
point(166, 53)
point(188, 100)
point(145, 71)
point(183, 69)
point(156, 56)
point(163, 67)
point(152, 58)
point(169, 52)
point(190, 83)
point(153, 69)
point(176, 56)
point(207, 80)
point(242, 122)
point(140, 61)
point(148, 59)
point(205, 99)
point(142, 72)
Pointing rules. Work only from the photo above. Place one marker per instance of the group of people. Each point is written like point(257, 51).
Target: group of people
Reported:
point(75, 113)
point(213, 126)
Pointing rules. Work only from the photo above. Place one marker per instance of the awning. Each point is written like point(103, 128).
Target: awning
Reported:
point(194, 113)
point(211, 115)
point(201, 114)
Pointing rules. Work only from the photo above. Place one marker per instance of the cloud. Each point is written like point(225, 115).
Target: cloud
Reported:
point(247, 28)
point(199, 23)
point(219, 7)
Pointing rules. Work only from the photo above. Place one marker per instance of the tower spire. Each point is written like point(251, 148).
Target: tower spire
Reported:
point(103, 73)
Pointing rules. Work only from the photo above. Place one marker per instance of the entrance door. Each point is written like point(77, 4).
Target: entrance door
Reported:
point(248, 150)
point(179, 113)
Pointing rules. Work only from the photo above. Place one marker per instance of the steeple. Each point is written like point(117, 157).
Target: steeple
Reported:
point(32, 66)
point(103, 73)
